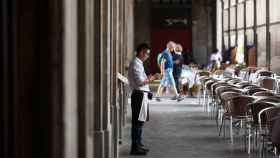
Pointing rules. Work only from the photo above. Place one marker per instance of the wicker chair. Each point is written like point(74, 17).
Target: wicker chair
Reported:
point(266, 120)
point(207, 91)
point(223, 89)
point(263, 93)
point(202, 91)
point(237, 109)
point(254, 109)
point(226, 97)
point(215, 106)
point(275, 134)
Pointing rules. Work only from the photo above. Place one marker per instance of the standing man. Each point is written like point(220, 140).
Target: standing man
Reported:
point(177, 61)
point(139, 82)
point(216, 59)
point(166, 69)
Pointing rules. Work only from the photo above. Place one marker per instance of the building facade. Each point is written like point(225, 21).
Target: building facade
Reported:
point(256, 23)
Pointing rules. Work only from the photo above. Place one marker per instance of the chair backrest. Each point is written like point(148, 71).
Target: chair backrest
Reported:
point(274, 99)
point(266, 73)
point(255, 108)
point(229, 79)
point(223, 88)
point(204, 79)
point(266, 116)
point(216, 85)
point(242, 84)
point(238, 105)
point(226, 97)
point(248, 85)
point(231, 89)
point(254, 90)
point(208, 84)
point(275, 133)
point(268, 83)
point(234, 81)
point(263, 93)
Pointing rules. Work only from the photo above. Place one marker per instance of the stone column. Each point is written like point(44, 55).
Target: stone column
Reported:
point(98, 82)
point(105, 73)
point(120, 62)
point(130, 30)
point(114, 67)
point(70, 79)
point(102, 126)
point(201, 30)
point(86, 77)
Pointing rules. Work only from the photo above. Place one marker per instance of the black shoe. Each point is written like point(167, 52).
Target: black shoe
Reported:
point(142, 147)
point(180, 98)
point(145, 149)
point(158, 99)
point(138, 151)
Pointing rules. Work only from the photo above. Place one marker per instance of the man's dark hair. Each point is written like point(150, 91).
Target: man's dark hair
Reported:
point(142, 47)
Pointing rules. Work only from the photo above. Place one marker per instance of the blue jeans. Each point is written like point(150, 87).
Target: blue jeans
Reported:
point(136, 134)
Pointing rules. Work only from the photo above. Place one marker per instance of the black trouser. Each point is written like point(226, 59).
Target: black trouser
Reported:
point(177, 83)
point(137, 126)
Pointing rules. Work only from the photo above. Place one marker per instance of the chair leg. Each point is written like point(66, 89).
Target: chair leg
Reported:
point(231, 130)
point(204, 99)
point(224, 128)
point(249, 140)
point(221, 126)
point(208, 104)
point(217, 117)
point(199, 96)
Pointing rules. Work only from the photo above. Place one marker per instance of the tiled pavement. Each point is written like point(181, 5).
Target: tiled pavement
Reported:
point(182, 130)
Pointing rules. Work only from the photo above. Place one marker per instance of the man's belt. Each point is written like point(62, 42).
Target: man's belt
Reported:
point(150, 94)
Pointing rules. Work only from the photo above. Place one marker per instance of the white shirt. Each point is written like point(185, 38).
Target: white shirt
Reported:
point(136, 78)
point(216, 57)
point(137, 75)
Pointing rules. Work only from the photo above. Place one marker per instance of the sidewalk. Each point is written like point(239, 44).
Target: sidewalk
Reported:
point(182, 130)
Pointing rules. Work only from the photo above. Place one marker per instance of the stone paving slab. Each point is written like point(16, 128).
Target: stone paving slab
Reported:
point(182, 130)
